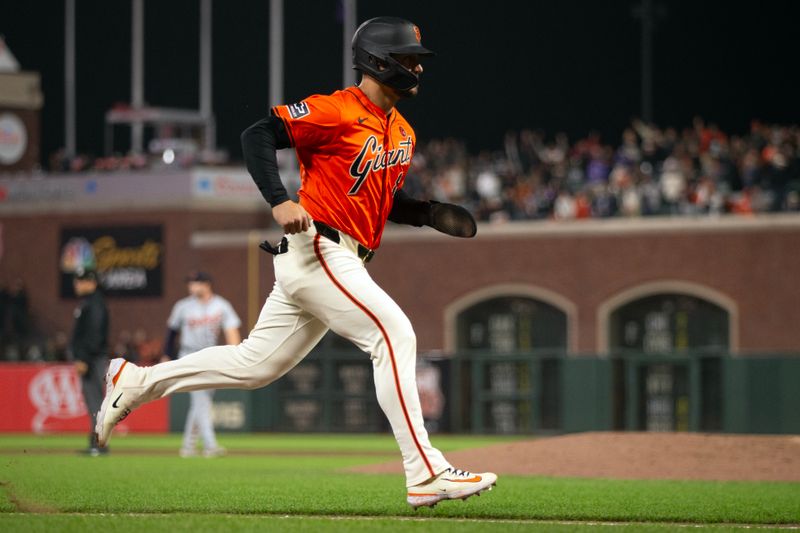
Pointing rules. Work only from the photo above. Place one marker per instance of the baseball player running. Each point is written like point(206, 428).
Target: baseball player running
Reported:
point(197, 321)
point(354, 150)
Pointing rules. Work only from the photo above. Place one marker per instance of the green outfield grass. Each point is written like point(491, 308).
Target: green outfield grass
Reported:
point(298, 484)
point(267, 442)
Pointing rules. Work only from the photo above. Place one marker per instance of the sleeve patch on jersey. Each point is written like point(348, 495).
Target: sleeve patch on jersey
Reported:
point(298, 110)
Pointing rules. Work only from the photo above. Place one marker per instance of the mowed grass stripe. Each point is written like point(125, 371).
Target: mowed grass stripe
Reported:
point(313, 485)
point(281, 442)
point(154, 523)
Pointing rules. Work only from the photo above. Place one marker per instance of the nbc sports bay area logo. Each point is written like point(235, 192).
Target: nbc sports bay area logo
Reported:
point(127, 259)
point(79, 254)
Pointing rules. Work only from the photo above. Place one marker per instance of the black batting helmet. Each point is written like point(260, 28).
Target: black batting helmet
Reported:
point(377, 40)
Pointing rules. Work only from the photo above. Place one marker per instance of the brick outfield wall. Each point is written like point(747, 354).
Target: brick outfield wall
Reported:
point(754, 265)
point(757, 270)
point(31, 251)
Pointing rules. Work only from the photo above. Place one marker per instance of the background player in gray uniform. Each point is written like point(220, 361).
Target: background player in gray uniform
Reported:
point(198, 320)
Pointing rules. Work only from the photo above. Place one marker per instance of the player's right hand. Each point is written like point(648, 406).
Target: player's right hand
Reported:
point(81, 368)
point(292, 217)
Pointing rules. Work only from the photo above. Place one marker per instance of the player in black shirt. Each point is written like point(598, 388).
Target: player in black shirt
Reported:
point(89, 346)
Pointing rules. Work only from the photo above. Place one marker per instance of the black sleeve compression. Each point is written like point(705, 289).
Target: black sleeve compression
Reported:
point(407, 210)
point(259, 144)
point(170, 346)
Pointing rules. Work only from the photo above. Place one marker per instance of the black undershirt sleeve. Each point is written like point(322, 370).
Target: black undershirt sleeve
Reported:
point(407, 210)
point(259, 145)
point(170, 346)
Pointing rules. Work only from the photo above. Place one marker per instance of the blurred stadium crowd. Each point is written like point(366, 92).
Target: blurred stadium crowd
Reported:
point(651, 171)
point(699, 170)
point(21, 338)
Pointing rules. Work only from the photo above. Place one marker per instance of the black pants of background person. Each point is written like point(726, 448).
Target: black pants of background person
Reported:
point(92, 384)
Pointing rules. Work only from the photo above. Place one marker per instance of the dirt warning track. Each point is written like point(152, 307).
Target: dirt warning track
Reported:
point(622, 455)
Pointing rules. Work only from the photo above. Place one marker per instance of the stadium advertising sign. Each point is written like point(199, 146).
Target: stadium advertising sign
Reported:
point(224, 183)
point(43, 398)
point(128, 259)
point(13, 139)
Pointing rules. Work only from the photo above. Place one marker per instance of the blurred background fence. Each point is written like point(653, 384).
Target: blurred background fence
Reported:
point(531, 393)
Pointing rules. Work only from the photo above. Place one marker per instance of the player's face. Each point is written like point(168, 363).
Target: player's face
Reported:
point(84, 286)
point(410, 61)
point(199, 289)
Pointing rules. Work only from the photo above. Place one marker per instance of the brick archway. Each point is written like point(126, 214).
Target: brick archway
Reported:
point(651, 288)
point(452, 311)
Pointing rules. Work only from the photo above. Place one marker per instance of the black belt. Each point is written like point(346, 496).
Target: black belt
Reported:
point(332, 234)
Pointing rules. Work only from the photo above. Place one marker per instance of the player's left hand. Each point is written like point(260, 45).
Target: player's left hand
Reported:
point(292, 217)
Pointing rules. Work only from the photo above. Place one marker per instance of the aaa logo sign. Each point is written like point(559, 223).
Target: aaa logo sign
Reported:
point(56, 394)
point(36, 397)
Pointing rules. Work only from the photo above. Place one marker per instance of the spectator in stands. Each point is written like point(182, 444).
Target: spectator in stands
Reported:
point(19, 320)
point(565, 206)
point(793, 199)
point(58, 347)
point(126, 348)
point(649, 192)
point(148, 351)
point(604, 204)
point(629, 152)
point(599, 166)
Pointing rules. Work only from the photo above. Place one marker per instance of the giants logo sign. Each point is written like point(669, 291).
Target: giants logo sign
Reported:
point(373, 158)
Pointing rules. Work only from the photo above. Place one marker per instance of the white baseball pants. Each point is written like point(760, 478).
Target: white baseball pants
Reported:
point(200, 421)
point(319, 285)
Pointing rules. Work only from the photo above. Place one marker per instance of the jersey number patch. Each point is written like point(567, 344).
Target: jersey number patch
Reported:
point(298, 110)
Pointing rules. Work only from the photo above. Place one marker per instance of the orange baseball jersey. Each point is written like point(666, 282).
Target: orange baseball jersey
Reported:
point(352, 160)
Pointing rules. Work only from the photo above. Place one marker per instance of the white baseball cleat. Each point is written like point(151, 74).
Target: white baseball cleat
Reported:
point(452, 484)
point(219, 451)
point(117, 403)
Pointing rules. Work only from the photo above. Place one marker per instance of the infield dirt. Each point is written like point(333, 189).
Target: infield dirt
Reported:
point(634, 456)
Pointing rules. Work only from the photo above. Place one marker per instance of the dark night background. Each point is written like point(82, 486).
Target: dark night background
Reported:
point(569, 65)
